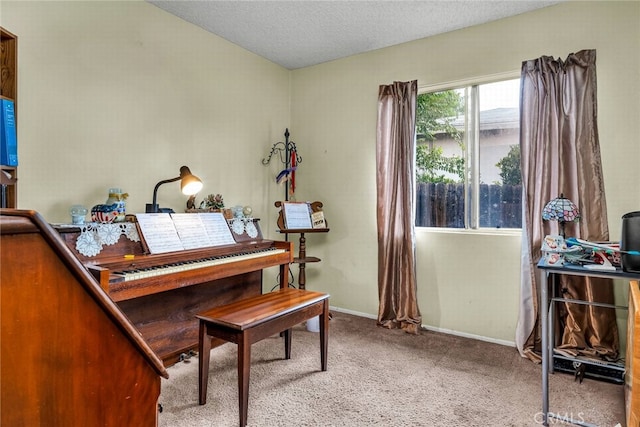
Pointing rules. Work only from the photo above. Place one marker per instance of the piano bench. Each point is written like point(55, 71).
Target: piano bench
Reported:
point(250, 320)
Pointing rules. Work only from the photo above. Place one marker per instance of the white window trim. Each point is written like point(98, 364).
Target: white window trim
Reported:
point(474, 221)
point(456, 84)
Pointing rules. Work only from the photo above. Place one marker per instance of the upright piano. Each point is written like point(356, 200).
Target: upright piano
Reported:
point(162, 293)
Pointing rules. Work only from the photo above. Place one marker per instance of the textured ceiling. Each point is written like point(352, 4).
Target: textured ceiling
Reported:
point(300, 33)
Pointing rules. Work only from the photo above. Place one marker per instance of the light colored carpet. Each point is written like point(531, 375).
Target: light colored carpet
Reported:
point(380, 377)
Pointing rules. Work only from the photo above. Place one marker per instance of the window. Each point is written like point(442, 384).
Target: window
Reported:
point(468, 157)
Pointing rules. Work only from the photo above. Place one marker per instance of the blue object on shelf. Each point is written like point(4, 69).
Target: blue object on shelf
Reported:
point(8, 137)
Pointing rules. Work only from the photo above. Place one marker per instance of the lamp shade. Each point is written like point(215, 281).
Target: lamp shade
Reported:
point(560, 209)
point(189, 184)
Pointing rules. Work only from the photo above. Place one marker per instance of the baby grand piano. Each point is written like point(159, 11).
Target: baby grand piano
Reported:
point(161, 293)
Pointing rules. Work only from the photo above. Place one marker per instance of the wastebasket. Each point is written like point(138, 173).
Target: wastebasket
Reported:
point(630, 241)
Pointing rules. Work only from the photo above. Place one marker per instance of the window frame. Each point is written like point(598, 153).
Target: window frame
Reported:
point(471, 153)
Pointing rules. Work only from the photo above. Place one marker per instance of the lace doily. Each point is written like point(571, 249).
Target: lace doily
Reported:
point(242, 225)
point(94, 236)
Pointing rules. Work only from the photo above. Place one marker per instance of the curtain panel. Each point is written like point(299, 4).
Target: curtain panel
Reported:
point(560, 154)
point(395, 160)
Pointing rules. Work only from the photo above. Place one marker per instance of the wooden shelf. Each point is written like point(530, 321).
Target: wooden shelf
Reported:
point(8, 189)
point(9, 90)
point(306, 260)
point(303, 230)
point(9, 63)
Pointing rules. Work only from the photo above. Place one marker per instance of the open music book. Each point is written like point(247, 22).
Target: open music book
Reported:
point(296, 215)
point(165, 232)
point(300, 216)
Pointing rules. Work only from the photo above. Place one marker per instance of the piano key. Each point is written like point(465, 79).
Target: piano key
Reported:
point(144, 273)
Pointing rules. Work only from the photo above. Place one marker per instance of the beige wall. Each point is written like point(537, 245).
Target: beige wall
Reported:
point(123, 94)
point(468, 282)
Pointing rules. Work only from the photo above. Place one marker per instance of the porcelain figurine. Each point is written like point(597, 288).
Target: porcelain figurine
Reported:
point(104, 214)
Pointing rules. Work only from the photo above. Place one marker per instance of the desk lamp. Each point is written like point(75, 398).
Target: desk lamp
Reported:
point(190, 185)
point(562, 210)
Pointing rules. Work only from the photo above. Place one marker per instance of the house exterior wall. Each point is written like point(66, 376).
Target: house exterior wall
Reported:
point(493, 147)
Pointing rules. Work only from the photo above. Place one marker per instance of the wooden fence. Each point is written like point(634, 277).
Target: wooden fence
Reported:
point(442, 205)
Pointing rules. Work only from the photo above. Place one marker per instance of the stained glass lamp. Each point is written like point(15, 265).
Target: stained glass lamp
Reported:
point(562, 210)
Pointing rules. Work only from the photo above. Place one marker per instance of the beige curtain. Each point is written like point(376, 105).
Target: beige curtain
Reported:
point(560, 154)
point(395, 154)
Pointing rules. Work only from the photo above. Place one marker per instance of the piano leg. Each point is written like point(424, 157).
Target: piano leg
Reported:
point(204, 349)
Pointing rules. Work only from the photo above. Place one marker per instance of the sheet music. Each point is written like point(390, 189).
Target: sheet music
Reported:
point(296, 215)
point(217, 228)
point(191, 230)
point(159, 232)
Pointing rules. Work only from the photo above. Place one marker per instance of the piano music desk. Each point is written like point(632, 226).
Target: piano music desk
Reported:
point(253, 319)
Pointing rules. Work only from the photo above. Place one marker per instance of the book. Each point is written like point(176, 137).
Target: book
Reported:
point(8, 138)
point(164, 232)
point(317, 219)
point(191, 230)
point(296, 215)
point(159, 233)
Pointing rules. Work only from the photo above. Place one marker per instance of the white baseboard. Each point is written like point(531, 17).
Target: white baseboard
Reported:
point(355, 313)
point(433, 328)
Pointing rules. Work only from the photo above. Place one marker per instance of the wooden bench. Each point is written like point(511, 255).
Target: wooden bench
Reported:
point(250, 320)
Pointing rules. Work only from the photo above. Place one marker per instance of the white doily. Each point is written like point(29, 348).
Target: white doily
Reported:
point(94, 236)
point(251, 229)
point(244, 225)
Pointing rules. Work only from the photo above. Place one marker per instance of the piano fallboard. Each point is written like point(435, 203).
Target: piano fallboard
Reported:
point(187, 268)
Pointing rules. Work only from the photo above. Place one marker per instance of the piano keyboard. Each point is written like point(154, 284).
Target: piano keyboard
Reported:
point(143, 273)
